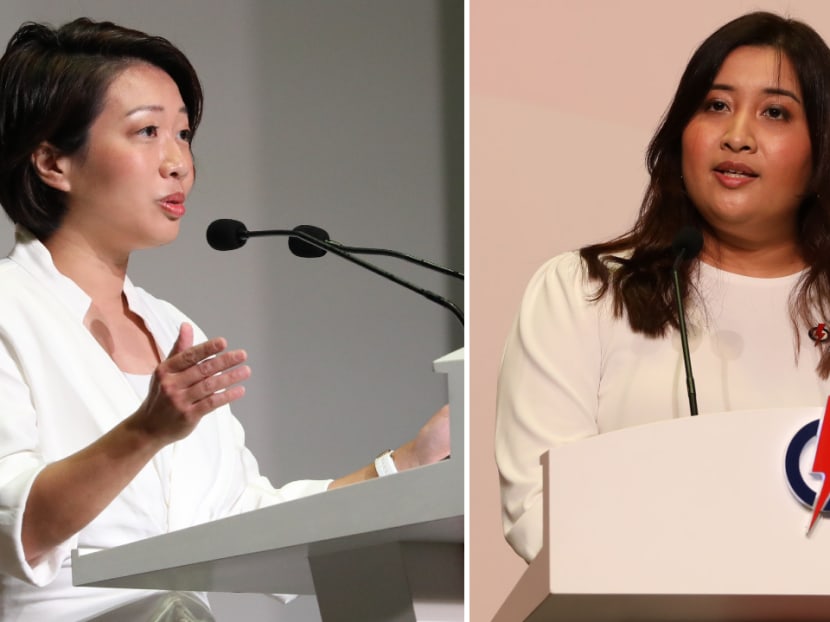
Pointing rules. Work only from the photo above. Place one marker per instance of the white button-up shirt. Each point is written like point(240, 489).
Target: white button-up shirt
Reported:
point(60, 391)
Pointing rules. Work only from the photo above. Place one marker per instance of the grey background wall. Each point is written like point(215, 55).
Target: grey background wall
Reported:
point(346, 114)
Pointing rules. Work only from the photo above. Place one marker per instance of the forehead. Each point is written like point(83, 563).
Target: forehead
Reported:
point(143, 85)
point(758, 67)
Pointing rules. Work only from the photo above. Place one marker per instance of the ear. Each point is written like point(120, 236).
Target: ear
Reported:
point(51, 166)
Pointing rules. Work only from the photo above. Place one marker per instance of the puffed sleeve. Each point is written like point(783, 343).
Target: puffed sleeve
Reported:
point(547, 390)
point(20, 463)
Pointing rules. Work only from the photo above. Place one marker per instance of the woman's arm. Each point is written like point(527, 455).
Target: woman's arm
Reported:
point(430, 445)
point(547, 391)
point(68, 494)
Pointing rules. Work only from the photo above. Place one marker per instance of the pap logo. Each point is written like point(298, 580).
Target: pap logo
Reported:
point(820, 333)
point(821, 466)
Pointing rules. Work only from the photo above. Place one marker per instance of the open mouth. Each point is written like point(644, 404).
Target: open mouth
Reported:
point(174, 209)
point(737, 173)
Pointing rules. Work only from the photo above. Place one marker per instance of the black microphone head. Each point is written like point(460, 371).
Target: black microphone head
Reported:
point(226, 234)
point(688, 242)
point(301, 248)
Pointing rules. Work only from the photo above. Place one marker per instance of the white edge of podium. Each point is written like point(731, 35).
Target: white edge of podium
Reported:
point(680, 520)
point(415, 517)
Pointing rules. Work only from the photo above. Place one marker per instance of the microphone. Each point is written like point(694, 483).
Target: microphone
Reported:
point(302, 249)
point(227, 234)
point(686, 245)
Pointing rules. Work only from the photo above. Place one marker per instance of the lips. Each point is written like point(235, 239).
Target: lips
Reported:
point(173, 204)
point(734, 175)
point(735, 169)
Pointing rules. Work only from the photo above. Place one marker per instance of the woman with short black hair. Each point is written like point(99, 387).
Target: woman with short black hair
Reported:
point(115, 423)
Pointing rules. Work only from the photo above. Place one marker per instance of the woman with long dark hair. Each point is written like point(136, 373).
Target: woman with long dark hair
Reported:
point(743, 156)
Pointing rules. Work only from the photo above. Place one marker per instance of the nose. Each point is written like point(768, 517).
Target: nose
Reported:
point(176, 161)
point(738, 135)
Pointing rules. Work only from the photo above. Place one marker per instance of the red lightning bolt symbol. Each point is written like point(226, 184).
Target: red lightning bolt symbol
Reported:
point(822, 465)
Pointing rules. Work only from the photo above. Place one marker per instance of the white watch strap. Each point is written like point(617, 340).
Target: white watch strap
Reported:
point(384, 464)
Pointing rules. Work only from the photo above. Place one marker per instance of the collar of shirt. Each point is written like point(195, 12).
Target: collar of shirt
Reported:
point(32, 256)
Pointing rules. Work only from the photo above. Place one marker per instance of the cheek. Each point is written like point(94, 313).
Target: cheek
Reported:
point(692, 152)
point(114, 166)
point(190, 179)
point(795, 160)
point(801, 155)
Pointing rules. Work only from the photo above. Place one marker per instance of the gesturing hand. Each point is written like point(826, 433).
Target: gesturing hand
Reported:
point(190, 383)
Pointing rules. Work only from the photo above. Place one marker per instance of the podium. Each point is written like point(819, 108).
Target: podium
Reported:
point(687, 520)
point(389, 549)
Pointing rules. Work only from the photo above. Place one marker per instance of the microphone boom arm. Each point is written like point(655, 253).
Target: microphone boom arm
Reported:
point(684, 339)
point(342, 252)
point(398, 255)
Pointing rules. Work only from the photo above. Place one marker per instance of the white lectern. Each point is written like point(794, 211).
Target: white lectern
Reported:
point(389, 549)
point(687, 520)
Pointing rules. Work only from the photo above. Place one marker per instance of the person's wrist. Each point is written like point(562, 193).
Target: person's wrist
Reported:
point(405, 457)
point(385, 463)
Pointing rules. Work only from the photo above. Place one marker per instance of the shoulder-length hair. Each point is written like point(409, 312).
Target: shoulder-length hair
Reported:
point(635, 268)
point(52, 87)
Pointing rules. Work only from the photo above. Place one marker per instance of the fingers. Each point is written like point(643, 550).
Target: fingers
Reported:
point(212, 401)
point(190, 383)
point(183, 341)
point(185, 355)
point(222, 381)
point(200, 378)
point(220, 362)
point(195, 363)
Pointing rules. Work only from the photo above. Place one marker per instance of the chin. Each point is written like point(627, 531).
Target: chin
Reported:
point(731, 214)
point(160, 237)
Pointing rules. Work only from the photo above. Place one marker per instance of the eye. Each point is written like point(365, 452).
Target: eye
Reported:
point(716, 105)
point(186, 135)
point(150, 131)
point(776, 113)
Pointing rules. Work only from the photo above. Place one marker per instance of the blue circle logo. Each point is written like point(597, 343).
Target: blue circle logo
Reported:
point(800, 489)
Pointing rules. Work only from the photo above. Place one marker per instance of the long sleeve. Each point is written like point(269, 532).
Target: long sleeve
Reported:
point(20, 462)
point(19, 467)
point(59, 392)
point(547, 392)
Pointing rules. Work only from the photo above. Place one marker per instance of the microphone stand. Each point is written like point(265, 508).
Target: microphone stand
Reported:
point(326, 246)
point(684, 339)
point(398, 255)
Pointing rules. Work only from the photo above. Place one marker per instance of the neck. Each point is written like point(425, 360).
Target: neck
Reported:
point(99, 273)
point(762, 260)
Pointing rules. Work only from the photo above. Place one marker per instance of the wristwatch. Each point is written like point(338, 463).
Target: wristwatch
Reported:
point(384, 464)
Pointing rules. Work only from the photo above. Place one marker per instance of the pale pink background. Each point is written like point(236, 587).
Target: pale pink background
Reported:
point(564, 97)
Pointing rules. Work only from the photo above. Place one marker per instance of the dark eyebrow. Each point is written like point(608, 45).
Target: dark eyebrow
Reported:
point(768, 91)
point(153, 108)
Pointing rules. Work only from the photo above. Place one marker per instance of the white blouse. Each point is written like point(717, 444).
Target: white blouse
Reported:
point(571, 370)
point(59, 391)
